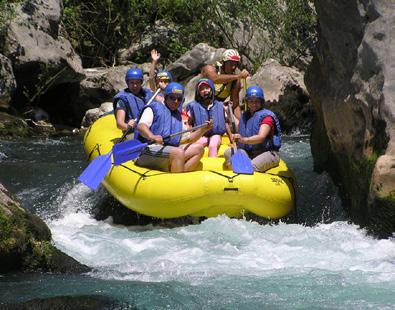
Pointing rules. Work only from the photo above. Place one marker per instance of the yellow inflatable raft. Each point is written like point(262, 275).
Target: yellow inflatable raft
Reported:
point(208, 192)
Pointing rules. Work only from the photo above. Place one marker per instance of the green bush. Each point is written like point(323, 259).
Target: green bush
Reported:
point(7, 13)
point(99, 28)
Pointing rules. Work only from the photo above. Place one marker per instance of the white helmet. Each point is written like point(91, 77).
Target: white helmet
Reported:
point(231, 55)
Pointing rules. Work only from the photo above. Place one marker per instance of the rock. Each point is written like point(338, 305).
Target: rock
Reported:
point(383, 177)
point(25, 242)
point(251, 41)
point(351, 83)
point(94, 114)
point(42, 58)
point(34, 39)
point(101, 84)
point(190, 89)
point(157, 36)
point(285, 94)
point(7, 82)
point(12, 127)
point(191, 62)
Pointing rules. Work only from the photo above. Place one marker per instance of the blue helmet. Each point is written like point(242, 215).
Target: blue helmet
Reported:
point(134, 73)
point(164, 75)
point(209, 83)
point(254, 91)
point(174, 88)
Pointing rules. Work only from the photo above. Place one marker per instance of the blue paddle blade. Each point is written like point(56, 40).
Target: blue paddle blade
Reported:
point(126, 151)
point(96, 171)
point(241, 163)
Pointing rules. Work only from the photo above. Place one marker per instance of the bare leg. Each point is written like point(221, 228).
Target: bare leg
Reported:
point(193, 154)
point(214, 143)
point(177, 159)
point(203, 141)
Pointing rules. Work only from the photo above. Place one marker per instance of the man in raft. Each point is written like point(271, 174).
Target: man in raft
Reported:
point(259, 133)
point(227, 82)
point(129, 102)
point(158, 120)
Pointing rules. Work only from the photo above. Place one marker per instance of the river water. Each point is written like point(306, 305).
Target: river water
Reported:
point(322, 262)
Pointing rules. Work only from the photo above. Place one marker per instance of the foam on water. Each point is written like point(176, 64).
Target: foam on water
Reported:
point(222, 246)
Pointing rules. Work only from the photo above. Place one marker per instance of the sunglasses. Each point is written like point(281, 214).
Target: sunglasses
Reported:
point(175, 98)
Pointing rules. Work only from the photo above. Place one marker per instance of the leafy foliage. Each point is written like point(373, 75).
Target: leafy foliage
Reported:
point(6, 14)
point(99, 28)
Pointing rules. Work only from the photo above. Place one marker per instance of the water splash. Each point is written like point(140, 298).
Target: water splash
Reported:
point(220, 247)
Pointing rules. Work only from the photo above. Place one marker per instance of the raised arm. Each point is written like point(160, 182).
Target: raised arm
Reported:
point(155, 57)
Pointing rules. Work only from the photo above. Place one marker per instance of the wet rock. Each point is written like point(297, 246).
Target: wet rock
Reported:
point(25, 242)
point(12, 127)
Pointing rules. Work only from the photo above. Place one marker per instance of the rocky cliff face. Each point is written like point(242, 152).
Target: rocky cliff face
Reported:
point(45, 66)
point(352, 84)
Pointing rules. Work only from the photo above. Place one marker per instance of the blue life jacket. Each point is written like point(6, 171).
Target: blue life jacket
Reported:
point(200, 115)
point(165, 123)
point(133, 104)
point(249, 126)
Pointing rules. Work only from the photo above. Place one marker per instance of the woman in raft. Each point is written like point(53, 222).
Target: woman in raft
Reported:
point(259, 133)
point(205, 108)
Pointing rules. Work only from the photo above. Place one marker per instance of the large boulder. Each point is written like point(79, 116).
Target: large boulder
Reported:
point(42, 58)
point(285, 94)
point(100, 85)
point(7, 82)
point(25, 241)
point(351, 81)
point(191, 62)
point(103, 83)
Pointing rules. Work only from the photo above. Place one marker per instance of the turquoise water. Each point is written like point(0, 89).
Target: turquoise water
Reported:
point(321, 263)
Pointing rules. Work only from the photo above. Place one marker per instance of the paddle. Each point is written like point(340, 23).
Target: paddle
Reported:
point(244, 94)
point(129, 150)
point(99, 167)
point(241, 163)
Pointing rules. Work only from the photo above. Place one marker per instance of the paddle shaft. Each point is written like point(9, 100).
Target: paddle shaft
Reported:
point(232, 119)
point(153, 96)
point(233, 123)
point(184, 131)
point(244, 94)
